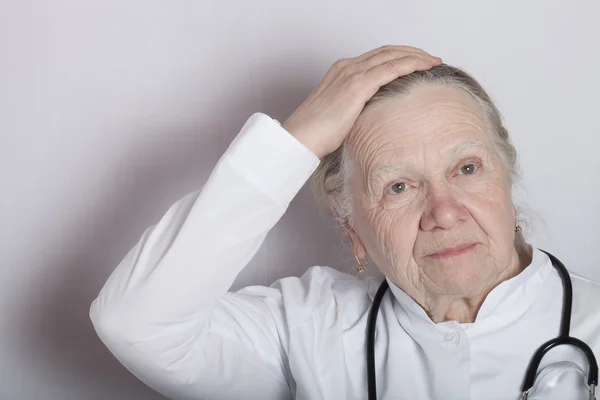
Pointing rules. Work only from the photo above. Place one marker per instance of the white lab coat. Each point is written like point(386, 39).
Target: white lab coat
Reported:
point(167, 315)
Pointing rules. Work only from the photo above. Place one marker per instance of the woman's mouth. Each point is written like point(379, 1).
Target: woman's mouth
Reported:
point(454, 251)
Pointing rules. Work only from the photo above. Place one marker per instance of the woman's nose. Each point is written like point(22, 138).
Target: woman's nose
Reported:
point(443, 211)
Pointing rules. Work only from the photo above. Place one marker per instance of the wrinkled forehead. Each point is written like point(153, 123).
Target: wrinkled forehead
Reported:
point(431, 120)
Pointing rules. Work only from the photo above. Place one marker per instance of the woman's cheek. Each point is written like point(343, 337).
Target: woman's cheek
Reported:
point(493, 197)
point(396, 232)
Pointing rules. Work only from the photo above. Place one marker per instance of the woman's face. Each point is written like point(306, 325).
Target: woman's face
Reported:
point(427, 178)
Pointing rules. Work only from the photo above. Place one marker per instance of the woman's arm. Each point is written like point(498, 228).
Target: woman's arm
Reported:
point(163, 312)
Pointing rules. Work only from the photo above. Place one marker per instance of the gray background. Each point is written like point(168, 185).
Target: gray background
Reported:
point(112, 110)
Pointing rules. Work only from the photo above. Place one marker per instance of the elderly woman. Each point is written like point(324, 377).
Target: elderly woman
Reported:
point(412, 158)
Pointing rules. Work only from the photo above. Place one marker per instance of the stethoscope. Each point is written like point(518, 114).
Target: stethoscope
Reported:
point(563, 338)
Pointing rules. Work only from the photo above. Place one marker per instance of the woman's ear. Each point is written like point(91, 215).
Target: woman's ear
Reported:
point(358, 248)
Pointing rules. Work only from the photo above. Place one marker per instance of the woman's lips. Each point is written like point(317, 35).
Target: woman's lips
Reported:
point(454, 251)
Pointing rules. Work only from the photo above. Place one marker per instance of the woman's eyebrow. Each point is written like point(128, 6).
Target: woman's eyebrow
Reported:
point(474, 144)
point(392, 167)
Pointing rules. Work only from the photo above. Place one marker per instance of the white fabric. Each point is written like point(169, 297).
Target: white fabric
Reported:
point(167, 315)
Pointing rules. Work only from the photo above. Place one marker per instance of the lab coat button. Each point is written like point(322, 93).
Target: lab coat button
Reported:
point(453, 338)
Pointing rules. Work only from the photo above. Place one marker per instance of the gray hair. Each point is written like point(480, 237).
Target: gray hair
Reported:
point(331, 180)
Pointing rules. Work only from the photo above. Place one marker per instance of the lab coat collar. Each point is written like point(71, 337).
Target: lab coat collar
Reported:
point(503, 305)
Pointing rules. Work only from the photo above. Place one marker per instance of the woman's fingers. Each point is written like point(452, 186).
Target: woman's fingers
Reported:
point(391, 56)
point(349, 67)
point(387, 71)
point(390, 48)
point(375, 57)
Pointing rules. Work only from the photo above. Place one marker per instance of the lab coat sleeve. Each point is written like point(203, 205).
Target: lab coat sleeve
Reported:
point(165, 312)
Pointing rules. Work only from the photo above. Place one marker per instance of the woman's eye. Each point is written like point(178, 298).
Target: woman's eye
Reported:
point(468, 169)
point(397, 188)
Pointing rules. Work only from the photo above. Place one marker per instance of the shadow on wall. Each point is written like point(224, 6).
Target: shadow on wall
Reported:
point(62, 336)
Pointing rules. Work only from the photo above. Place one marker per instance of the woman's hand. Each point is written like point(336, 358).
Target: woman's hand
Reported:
point(325, 118)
